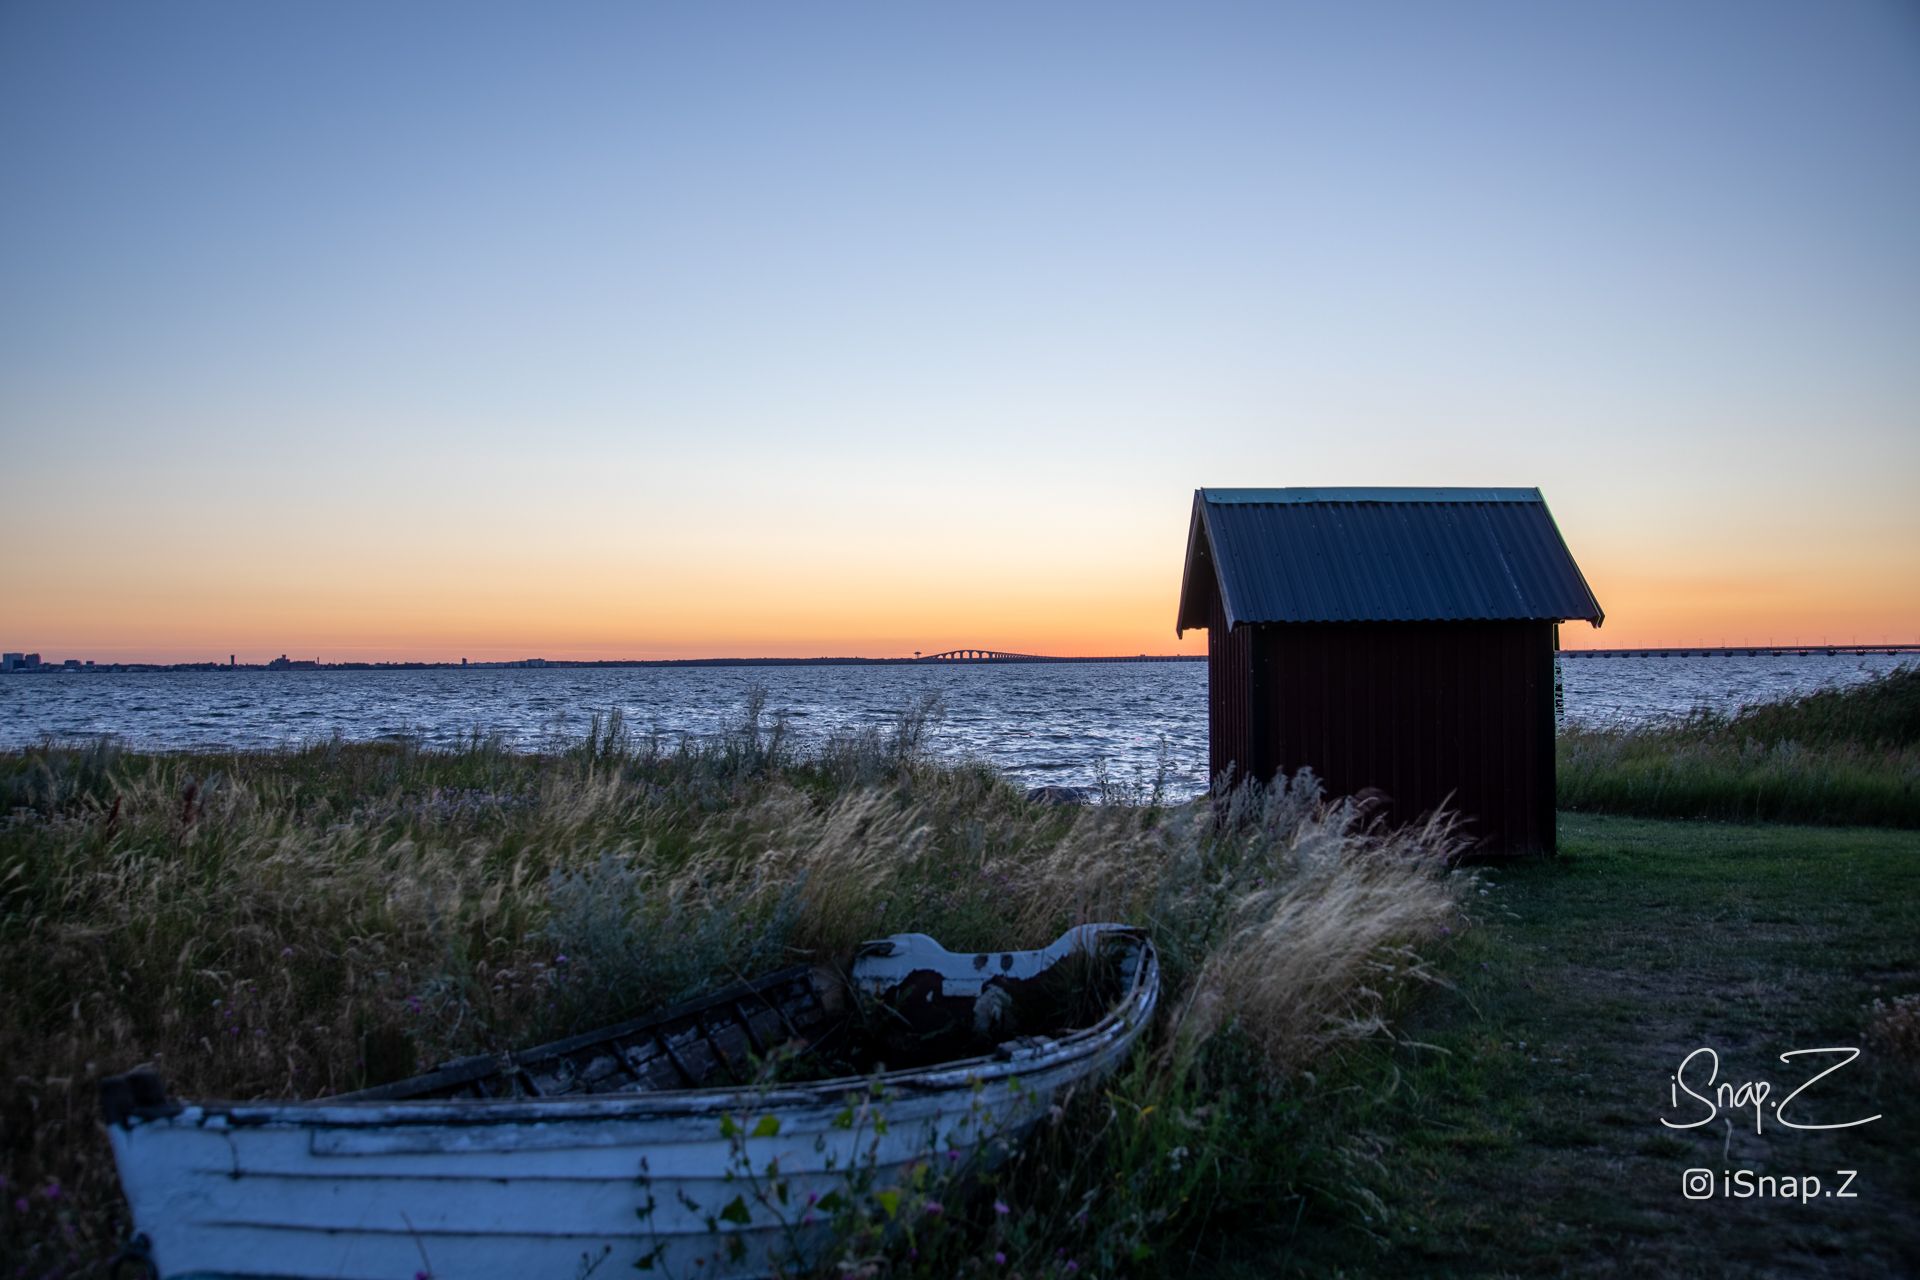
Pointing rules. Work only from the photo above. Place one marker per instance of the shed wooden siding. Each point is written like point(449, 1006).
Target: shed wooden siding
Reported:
point(1230, 697)
point(1454, 713)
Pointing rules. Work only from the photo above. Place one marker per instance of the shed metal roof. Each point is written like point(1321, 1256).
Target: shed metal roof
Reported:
point(1379, 555)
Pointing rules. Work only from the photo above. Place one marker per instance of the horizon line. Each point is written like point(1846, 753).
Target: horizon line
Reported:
point(956, 657)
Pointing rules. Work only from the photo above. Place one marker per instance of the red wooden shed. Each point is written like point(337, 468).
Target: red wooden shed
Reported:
point(1394, 639)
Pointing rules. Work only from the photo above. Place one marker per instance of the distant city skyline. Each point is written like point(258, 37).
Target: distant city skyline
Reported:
point(444, 331)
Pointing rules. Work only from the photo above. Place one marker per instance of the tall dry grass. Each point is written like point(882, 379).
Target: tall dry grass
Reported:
point(1847, 755)
point(303, 922)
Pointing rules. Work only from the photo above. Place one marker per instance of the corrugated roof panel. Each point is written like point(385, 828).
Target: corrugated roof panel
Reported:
point(1387, 555)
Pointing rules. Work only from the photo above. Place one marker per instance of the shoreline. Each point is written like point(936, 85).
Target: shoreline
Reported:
point(535, 664)
point(982, 658)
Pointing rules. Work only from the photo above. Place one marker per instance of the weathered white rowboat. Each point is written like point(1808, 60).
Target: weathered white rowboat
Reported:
point(621, 1147)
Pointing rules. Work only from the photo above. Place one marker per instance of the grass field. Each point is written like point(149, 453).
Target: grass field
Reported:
point(299, 923)
point(1368, 1065)
point(1837, 756)
point(1525, 1138)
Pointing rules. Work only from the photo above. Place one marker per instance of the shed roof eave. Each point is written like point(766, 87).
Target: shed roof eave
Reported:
point(1599, 617)
point(1220, 584)
point(1191, 616)
point(1324, 494)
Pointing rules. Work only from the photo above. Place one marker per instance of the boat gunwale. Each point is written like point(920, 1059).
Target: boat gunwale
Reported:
point(1128, 1015)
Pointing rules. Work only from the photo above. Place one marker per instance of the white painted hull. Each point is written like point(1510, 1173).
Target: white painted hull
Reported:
point(567, 1186)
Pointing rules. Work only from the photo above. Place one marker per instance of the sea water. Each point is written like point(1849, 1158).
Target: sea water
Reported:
point(1068, 724)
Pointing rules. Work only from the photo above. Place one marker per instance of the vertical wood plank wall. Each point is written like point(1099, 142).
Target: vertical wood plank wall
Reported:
point(1229, 698)
point(1425, 713)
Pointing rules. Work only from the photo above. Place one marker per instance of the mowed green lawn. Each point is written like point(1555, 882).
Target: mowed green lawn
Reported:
point(1523, 1136)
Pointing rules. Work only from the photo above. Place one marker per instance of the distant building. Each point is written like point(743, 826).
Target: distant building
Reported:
point(11, 661)
point(1398, 642)
point(29, 662)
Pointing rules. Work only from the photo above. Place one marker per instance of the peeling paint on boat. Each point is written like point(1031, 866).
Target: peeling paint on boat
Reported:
point(565, 1186)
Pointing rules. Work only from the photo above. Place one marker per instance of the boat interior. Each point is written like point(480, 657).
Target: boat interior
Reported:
point(900, 1004)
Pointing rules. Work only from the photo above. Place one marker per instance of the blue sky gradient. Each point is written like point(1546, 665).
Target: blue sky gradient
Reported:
point(428, 328)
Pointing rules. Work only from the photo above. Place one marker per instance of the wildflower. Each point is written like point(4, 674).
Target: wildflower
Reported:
point(999, 1257)
point(51, 1191)
point(1071, 1266)
point(286, 953)
point(808, 1218)
point(21, 1205)
point(1000, 1207)
point(423, 1275)
point(933, 1208)
point(559, 959)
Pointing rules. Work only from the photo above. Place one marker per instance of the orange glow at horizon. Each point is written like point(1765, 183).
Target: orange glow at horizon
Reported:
point(494, 559)
point(1864, 598)
point(764, 613)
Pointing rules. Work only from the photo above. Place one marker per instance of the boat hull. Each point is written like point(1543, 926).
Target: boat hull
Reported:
point(696, 1182)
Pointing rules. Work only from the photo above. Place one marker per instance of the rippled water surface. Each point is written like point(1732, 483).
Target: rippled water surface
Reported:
point(1042, 723)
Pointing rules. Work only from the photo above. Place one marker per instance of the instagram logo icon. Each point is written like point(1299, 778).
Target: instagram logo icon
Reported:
point(1697, 1184)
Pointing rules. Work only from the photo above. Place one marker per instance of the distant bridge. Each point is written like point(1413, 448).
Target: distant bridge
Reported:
point(1748, 651)
point(995, 655)
point(1687, 651)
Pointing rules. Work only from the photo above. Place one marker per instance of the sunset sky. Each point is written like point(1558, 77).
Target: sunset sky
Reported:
point(428, 331)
